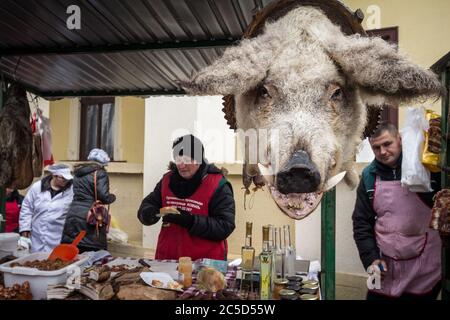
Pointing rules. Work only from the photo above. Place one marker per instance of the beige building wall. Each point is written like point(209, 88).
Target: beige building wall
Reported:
point(132, 129)
point(59, 118)
point(128, 189)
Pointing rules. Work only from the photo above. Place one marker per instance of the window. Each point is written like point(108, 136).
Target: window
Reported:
point(389, 113)
point(97, 126)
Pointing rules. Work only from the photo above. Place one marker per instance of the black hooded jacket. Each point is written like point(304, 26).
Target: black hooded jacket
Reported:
point(219, 223)
point(83, 199)
point(364, 216)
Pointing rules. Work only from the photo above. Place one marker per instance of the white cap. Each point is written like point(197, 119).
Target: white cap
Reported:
point(60, 170)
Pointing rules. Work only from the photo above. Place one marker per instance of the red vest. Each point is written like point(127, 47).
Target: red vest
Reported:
point(175, 241)
point(12, 216)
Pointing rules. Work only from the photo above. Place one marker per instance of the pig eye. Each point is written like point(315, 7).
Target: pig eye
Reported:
point(338, 94)
point(263, 92)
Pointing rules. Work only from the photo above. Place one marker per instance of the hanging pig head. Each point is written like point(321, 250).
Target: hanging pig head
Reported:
point(306, 84)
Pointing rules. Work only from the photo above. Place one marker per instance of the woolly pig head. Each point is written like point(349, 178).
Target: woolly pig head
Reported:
point(302, 86)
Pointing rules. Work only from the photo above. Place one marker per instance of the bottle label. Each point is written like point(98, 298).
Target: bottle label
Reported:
point(247, 257)
point(265, 274)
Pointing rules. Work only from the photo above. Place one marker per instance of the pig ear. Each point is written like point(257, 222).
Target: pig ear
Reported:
point(240, 68)
point(383, 75)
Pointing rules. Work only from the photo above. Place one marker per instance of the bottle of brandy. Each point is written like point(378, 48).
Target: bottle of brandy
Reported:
point(247, 251)
point(265, 268)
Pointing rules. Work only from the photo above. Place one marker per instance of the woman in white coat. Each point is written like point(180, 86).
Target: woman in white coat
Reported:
point(44, 209)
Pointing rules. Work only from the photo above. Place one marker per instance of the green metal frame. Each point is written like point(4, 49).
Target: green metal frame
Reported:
point(328, 245)
point(445, 179)
point(2, 190)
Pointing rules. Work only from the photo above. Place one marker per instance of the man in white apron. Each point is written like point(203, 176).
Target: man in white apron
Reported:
point(391, 226)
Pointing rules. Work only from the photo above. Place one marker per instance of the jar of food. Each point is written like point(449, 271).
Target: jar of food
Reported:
point(307, 291)
point(308, 297)
point(310, 286)
point(294, 287)
point(278, 285)
point(286, 294)
point(185, 271)
point(310, 282)
point(295, 278)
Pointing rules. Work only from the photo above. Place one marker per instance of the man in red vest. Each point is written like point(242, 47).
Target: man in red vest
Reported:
point(204, 200)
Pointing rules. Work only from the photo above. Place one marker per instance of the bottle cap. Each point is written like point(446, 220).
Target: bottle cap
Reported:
point(248, 227)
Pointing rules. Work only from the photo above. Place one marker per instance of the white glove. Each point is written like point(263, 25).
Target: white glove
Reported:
point(24, 243)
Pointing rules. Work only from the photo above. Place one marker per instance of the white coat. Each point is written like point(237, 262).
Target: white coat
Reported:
point(44, 216)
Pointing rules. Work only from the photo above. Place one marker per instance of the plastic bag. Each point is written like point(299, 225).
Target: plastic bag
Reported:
point(414, 175)
point(117, 236)
point(431, 151)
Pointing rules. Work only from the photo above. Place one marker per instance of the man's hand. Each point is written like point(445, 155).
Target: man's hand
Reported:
point(25, 234)
point(378, 265)
point(24, 243)
point(183, 219)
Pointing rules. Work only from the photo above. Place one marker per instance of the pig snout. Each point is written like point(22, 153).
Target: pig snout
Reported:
point(299, 175)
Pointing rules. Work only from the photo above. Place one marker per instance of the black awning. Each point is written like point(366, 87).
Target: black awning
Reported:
point(132, 47)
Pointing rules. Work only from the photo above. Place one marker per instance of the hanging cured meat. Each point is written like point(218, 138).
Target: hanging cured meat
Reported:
point(441, 213)
point(16, 140)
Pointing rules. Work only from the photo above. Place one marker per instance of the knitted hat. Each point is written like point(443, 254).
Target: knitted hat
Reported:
point(98, 155)
point(190, 146)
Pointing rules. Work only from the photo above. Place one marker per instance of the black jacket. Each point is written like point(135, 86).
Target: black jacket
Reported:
point(83, 199)
point(364, 216)
point(219, 223)
point(15, 195)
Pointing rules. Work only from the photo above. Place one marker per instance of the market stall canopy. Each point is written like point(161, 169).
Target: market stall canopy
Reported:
point(134, 47)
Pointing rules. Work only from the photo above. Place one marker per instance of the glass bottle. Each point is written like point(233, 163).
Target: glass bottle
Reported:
point(265, 268)
point(273, 250)
point(279, 253)
point(247, 251)
point(290, 254)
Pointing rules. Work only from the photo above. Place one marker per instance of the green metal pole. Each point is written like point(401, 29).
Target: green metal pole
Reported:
point(445, 183)
point(2, 190)
point(328, 244)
